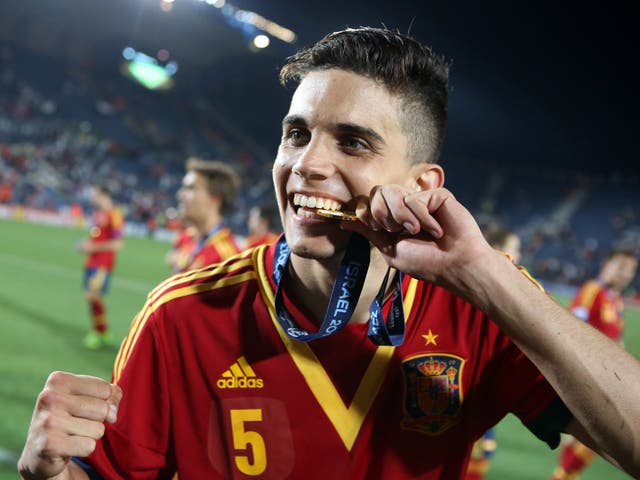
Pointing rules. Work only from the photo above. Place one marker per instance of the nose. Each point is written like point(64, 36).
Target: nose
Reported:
point(315, 161)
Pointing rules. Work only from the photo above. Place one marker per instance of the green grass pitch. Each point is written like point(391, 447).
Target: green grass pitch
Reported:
point(43, 318)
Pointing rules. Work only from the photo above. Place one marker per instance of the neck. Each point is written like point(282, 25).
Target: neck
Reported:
point(206, 225)
point(310, 282)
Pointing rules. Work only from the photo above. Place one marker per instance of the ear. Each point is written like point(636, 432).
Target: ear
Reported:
point(426, 176)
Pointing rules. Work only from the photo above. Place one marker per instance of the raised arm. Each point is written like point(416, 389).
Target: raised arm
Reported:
point(431, 236)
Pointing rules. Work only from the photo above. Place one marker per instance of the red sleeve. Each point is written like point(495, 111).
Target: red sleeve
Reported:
point(138, 445)
point(531, 398)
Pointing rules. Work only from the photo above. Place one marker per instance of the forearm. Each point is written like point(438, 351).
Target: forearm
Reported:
point(598, 380)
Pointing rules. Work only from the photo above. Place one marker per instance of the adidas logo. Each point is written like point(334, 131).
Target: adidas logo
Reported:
point(239, 375)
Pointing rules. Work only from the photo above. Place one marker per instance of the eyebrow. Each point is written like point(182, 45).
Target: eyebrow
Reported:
point(341, 127)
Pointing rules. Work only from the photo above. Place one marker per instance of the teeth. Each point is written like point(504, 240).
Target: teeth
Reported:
point(315, 202)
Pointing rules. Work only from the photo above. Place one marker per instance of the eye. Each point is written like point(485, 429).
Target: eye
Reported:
point(353, 143)
point(296, 136)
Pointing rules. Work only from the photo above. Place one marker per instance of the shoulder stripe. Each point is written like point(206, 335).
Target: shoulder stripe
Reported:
point(164, 297)
point(229, 265)
point(226, 247)
point(223, 243)
point(587, 295)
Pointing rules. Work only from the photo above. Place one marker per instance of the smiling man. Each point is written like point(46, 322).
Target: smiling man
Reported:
point(377, 348)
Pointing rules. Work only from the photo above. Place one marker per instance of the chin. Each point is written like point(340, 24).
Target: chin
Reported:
point(312, 250)
point(313, 247)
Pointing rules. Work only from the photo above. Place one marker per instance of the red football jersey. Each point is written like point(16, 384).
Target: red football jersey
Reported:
point(601, 307)
point(105, 226)
point(213, 387)
point(218, 247)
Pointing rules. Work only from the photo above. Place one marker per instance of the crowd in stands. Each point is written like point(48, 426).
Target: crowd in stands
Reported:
point(63, 131)
point(61, 135)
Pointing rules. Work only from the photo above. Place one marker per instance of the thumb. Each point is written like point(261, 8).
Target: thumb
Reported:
point(114, 402)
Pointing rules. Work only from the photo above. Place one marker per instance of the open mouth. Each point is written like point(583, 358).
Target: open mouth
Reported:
point(312, 206)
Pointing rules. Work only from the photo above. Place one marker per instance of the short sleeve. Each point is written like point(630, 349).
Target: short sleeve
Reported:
point(519, 388)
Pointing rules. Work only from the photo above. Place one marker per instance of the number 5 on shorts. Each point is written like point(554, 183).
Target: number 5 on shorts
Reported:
point(242, 438)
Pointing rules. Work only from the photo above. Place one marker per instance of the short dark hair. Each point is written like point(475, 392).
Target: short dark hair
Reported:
point(222, 180)
point(404, 66)
point(103, 189)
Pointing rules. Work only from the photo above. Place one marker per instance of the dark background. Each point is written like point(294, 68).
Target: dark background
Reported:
point(544, 85)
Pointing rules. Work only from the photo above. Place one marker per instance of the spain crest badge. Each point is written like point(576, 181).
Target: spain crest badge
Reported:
point(432, 392)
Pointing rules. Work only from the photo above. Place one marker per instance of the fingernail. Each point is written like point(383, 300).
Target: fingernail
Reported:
point(409, 227)
point(112, 416)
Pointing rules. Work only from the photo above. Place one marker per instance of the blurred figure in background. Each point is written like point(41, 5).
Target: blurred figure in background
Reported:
point(261, 223)
point(104, 242)
point(208, 192)
point(599, 303)
point(507, 241)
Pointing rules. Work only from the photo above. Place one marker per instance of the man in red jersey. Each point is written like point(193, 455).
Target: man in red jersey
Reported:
point(104, 242)
point(208, 192)
point(369, 349)
point(599, 303)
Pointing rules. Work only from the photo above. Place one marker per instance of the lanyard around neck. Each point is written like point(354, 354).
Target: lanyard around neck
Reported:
point(344, 297)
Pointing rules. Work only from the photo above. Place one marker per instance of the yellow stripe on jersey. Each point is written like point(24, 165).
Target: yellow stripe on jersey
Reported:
point(210, 270)
point(346, 420)
point(160, 297)
point(223, 243)
point(246, 368)
point(198, 273)
point(588, 294)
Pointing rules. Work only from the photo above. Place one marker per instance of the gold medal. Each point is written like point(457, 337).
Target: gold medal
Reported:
point(337, 214)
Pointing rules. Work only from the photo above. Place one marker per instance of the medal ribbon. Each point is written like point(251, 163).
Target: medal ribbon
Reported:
point(344, 297)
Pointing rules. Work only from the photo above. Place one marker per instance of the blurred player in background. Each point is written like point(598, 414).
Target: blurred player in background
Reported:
point(208, 192)
point(101, 247)
point(506, 241)
point(261, 223)
point(599, 303)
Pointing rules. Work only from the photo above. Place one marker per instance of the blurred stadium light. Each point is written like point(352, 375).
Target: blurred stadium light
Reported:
point(147, 71)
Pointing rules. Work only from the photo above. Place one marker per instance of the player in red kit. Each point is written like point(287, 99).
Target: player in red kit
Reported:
point(101, 247)
point(373, 348)
point(599, 303)
point(261, 223)
point(208, 191)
